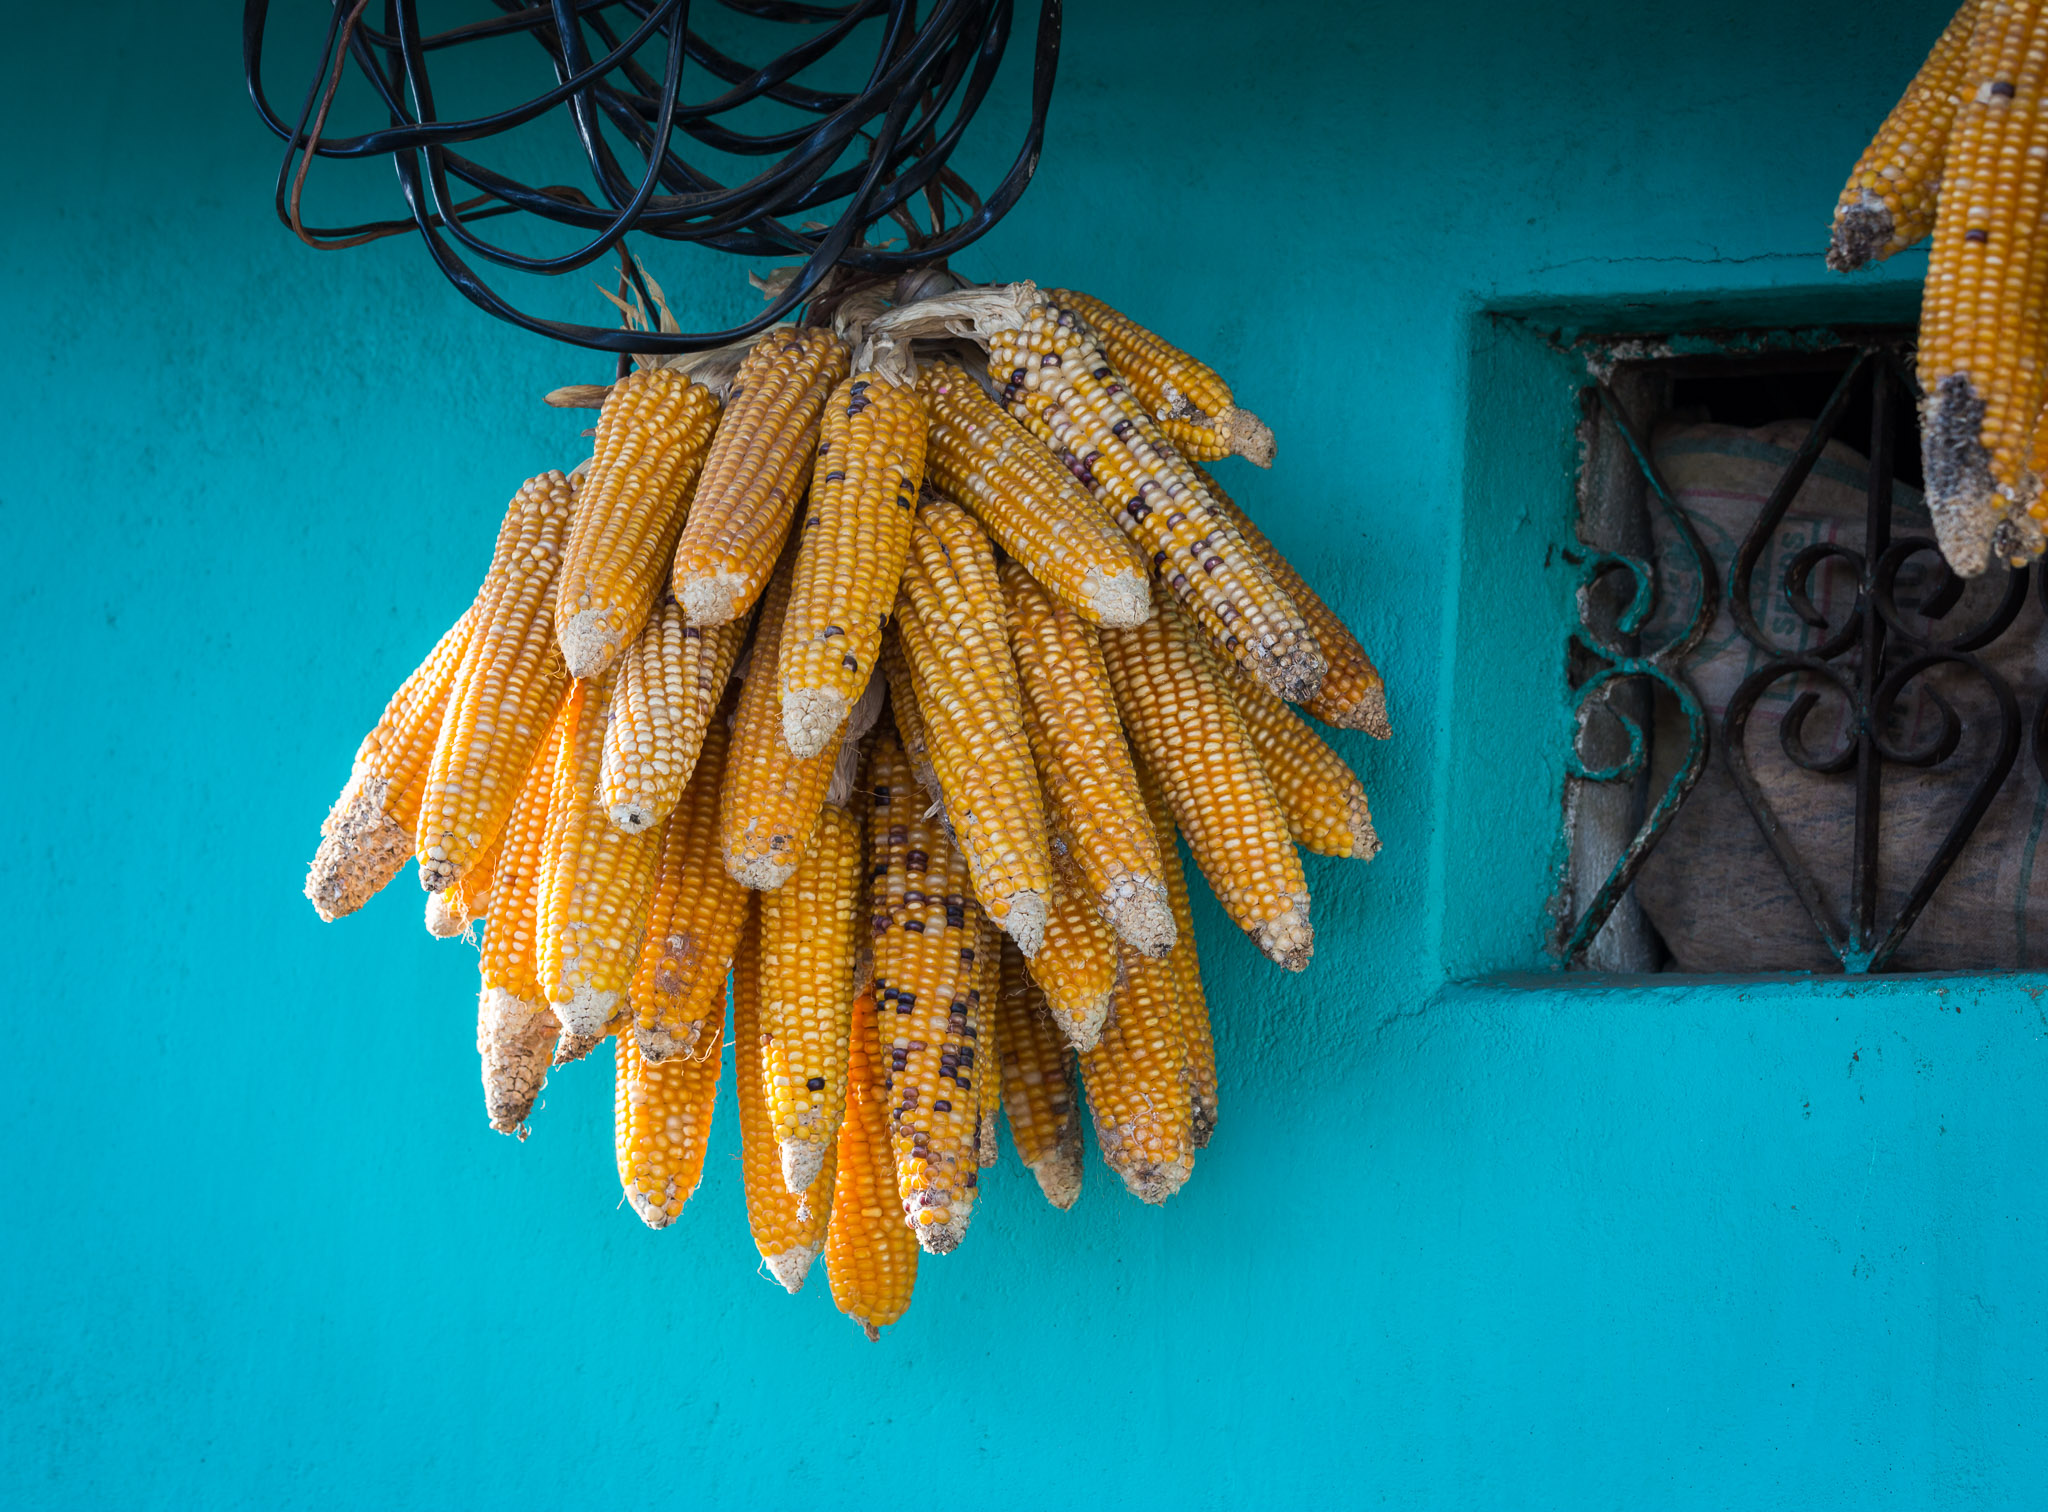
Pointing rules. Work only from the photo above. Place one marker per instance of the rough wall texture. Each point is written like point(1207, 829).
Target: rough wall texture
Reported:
point(1759, 1245)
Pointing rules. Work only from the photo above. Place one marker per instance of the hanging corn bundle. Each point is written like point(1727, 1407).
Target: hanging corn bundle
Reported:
point(873, 671)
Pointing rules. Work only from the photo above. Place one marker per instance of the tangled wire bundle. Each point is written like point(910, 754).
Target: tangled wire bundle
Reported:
point(873, 152)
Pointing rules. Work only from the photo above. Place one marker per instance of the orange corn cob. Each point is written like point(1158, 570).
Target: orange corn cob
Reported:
point(1078, 964)
point(662, 1124)
point(1187, 973)
point(770, 806)
point(693, 920)
point(1185, 397)
point(788, 1227)
point(1352, 696)
point(757, 469)
point(1184, 723)
point(926, 929)
point(650, 444)
point(950, 618)
point(1140, 1084)
point(1323, 800)
point(595, 883)
point(670, 681)
point(856, 534)
point(807, 990)
point(506, 692)
point(1091, 789)
point(870, 1257)
point(515, 1027)
point(909, 720)
point(1030, 503)
point(1039, 1094)
point(1889, 202)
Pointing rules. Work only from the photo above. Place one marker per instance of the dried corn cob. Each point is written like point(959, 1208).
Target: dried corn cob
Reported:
point(1032, 506)
point(758, 467)
point(1078, 964)
point(650, 444)
point(926, 926)
point(367, 835)
point(693, 919)
point(515, 1027)
point(1139, 1083)
point(1185, 727)
point(870, 1256)
point(662, 1124)
point(507, 690)
point(770, 806)
point(909, 720)
point(1322, 798)
point(670, 681)
point(1352, 696)
point(788, 1227)
point(1983, 359)
point(1057, 381)
point(595, 882)
point(1188, 401)
point(1187, 974)
point(1038, 1085)
point(950, 617)
point(856, 534)
point(987, 984)
point(1091, 790)
point(451, 911)
point(807, 990)
point(1888, 203)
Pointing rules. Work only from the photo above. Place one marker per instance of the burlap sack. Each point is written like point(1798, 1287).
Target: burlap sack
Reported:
point(1712, 888)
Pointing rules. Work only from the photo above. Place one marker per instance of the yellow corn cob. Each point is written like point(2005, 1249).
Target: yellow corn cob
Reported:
point(1183, 396)
point(1983, 360)
point(917, 746)
point(1038, 1085)
point(769, 809)
point(1139, 1083)
point(515, 1027)
point(757, 469)
point(1056, 380)
point(1352, 696)
point(926, 929)
point(508, 688)
point(650, 444)
point(693, 920)
point(856, 534)
point(1322, 798)
point(1187, 973)
point(788, 1227)
point(807, 989)
point(661, 1124)
point(367, 835)
point(1077, 966)
point(870, 1257)
point(1091, 790)
point(595, 883)
point(451, 911)
point(1185, 727)
point(1037, 513)
point(950, 617)
point(670, 681)
point(988, 1050)
point(1888, 203)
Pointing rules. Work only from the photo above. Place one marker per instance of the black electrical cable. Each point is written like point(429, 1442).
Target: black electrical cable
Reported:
point(872, 152)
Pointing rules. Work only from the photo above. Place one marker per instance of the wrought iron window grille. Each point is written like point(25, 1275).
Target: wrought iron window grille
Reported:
point(1630, 650)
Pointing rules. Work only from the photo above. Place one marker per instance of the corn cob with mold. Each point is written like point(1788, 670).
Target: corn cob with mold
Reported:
point(1039, 1092)
point(662, 1124)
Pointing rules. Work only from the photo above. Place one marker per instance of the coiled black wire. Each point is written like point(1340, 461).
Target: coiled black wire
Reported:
point(879, 150)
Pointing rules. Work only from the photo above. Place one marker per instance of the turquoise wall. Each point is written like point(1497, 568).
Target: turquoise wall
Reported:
point(1524, 1242)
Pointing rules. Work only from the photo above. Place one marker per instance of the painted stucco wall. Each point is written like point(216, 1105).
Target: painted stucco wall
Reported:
point(1523, 1243)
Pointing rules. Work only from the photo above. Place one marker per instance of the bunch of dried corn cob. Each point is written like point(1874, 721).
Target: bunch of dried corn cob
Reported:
point(928, 837)
point(1964, 155)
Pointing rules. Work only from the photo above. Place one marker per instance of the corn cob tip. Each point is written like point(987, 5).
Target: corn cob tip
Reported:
point(1365, 840)
point(633, 816)
point(1084, 1032)
point(573, 1047)
point(1024, 921)
point(1148, 1181)
point(762, 874)
point(654, 1215)
point(1292, 672)
point(578, 396)
point(791, 1266)
point(444, 920)
point(1286, 938)
point(1059, 1174)
point(1201, 1126)
point(1861, 232)
point(1140, 912)
point(1119, 599)
point(1247, 435)
point(1370, 714)
point(361, 848)
point(658, 1043)
point(711, 598)
point(939, 1236)
point(810, 718)
point(803, 1161)
point(515, 1039)
point(874, 1334)
point(1961, 493)
point(589, 642)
